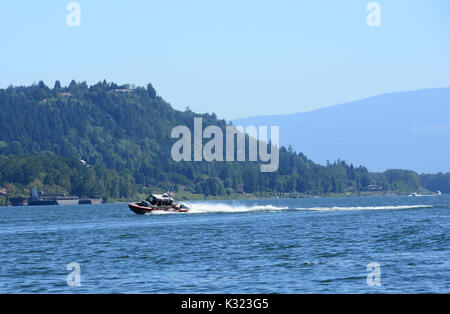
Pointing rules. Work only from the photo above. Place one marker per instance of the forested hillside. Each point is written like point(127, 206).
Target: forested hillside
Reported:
point(57, 175)
point(124, 133)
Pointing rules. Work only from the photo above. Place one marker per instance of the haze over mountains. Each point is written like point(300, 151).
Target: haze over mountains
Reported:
point(407, 130)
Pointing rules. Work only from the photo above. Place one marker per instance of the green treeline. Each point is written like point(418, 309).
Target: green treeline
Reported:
point(56, 175)
point(436, 182)
point(124, 132)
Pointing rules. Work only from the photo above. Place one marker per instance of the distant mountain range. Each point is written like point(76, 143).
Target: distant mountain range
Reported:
point(407, 130)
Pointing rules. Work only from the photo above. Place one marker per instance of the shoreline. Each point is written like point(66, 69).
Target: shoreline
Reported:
point(189, 197)
point(243, 197)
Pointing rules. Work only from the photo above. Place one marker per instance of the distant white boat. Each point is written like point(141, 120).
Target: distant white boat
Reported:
point(439, 193)
point(415, 195)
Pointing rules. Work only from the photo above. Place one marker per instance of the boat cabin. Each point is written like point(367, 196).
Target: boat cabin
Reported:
point(160, 201)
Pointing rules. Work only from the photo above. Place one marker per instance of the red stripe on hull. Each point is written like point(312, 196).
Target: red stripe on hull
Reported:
point(140, 210)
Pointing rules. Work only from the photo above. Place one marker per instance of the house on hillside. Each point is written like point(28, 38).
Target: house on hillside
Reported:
point(352, 189)
point(375, 187)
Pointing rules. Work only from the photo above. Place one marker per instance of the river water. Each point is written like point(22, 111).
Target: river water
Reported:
point(320, 245)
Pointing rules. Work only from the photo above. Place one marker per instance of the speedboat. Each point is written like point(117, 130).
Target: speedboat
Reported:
point(158, 203)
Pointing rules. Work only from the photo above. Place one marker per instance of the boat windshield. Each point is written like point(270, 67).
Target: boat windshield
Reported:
point(153, 200)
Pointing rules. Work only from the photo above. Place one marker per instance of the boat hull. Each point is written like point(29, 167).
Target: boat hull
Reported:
point(142, 210)
point(91, 201)
point(53, 201)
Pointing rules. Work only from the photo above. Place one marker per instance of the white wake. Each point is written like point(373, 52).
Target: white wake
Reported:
point(365, 208)
point(201, 208)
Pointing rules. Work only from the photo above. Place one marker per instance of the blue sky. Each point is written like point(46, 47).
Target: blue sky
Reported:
point(234, 58)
